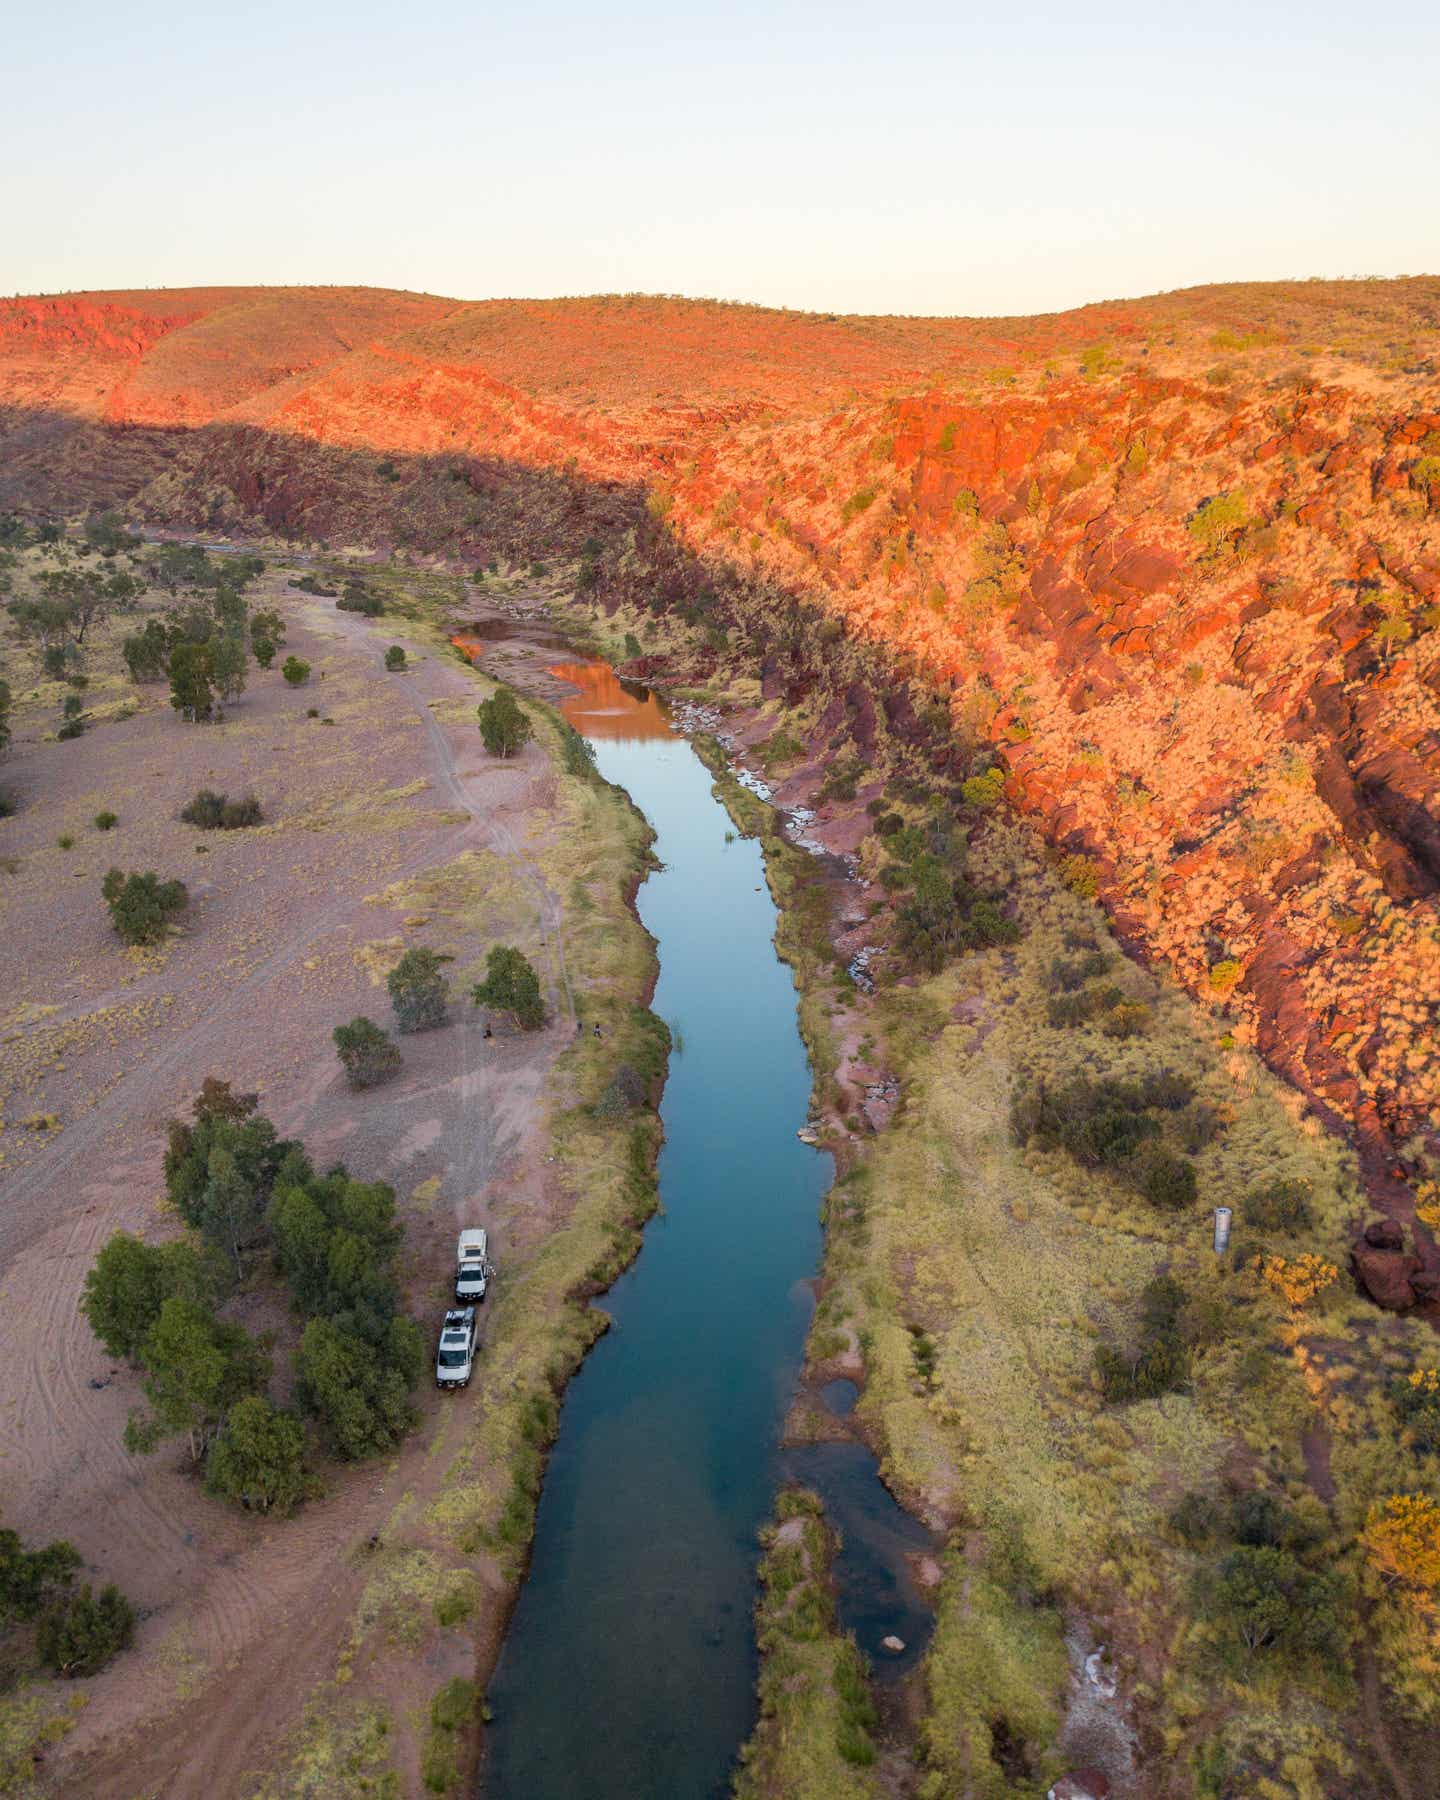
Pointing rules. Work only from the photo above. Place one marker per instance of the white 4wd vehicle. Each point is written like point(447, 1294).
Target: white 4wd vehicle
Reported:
point(456, 1356)
point(473, 1267)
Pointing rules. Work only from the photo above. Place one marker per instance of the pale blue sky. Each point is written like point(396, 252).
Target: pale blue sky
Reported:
point(886, 158)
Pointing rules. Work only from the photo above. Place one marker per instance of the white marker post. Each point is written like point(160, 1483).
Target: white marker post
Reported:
point(1223, 1216)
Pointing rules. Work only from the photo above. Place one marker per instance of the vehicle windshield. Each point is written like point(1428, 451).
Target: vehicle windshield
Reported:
point(452, 1359)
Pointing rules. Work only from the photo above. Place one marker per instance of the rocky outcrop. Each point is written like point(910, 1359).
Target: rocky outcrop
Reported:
point(1177, 573)
point(1393, 1279)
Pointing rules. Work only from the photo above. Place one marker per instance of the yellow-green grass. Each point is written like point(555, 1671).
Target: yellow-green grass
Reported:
point(1016, 1264)
point(32, 1722)
point(813, 1740)
point(343, 1747)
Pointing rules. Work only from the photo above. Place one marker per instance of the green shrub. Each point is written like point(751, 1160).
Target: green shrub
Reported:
point(439, 1764)
point(455, 1605)
point(296, 672)
point(72, 717)
point(196, 1368)
point(1425, 472)
point(1260, 1520)
point(841, 780)
point(264, 651)
point(454, 1705)
point(1111, 1124)
point(142, 906)
point(358, 599)
point(780, 747)
point(1280, 1205)
point(1217, 520)
point(626, 1092)
point(577, 754)
point(106, 821)
point(83, 1633)
point(1264, 1601)
point(1197, 1519)
point(1064, 1010)
point(511, 986)
point(1416, 1399)
point(1160, 1363)
point(336, 1239)
point(367, 1054)
point(147, 652)
point(418, 990)
point(192, 680)
point(395, 659)
point(1068, 975)
point(29, 1579)
point(985, 790)
point(217, 812)
point(1126, 1019)
point(1165, 1180)
point(220, 1171)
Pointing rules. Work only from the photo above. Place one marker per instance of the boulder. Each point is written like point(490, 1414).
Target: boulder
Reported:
point(892, 1645)
point(1384, 1234)
point(1385, 1276)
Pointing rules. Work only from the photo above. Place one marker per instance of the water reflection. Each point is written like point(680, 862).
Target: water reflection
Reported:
point(607, 707)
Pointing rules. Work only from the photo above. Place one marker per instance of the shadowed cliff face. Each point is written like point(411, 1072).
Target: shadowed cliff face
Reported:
point(1177, 561)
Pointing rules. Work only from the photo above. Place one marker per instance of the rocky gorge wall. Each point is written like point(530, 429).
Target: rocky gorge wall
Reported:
point(1175, 564)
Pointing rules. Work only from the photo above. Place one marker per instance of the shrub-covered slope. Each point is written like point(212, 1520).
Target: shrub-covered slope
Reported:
point(1177, 560)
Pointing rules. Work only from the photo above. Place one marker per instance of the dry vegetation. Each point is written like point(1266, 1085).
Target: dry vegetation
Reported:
point(1175, 559)
point(976, 1283)
point(383, 1594)
point(1162, 575)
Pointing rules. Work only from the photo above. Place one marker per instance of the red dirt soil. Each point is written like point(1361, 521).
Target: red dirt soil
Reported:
point(1233, 713)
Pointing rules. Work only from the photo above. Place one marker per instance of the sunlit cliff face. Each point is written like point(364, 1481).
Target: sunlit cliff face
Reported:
point(1178, 559)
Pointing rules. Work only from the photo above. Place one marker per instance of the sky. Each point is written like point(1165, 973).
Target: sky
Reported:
point(1009, 158)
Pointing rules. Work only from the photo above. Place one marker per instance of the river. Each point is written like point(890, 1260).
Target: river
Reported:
point(630, 1666)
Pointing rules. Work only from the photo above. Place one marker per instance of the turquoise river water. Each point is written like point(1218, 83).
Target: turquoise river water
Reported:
point(630, 1666)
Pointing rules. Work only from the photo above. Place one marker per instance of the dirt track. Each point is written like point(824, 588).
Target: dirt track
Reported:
point(242, 1617)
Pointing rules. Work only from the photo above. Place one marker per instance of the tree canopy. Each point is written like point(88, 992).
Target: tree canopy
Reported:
point(511, 986)
point(418, 990)
point(192, 690)
point(258, 1459)
point(367, 1054)
point(196, 1368)
point(503, 726)
point(360, 1396)
point(130, 1282)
